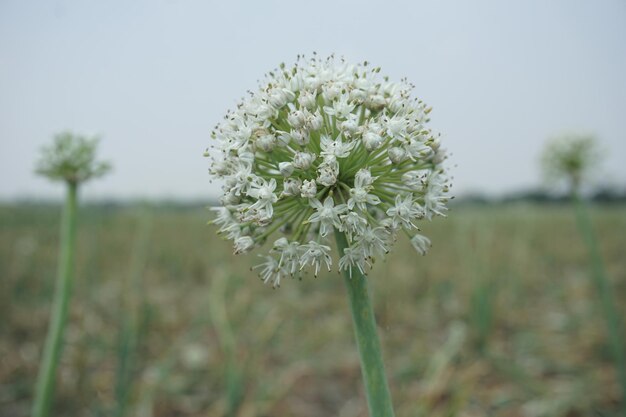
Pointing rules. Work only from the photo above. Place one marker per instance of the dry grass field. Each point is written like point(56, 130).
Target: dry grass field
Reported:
point(499, 319)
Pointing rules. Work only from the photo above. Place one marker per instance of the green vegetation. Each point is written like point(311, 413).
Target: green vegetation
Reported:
point(614, 325)
point(165, 321)
point(572, 158)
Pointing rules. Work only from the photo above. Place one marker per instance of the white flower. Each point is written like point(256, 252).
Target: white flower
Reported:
point(270, 271)
point(314, 255)
point(280, 97)
point(308, 189)
point(360, 198)
point(354, 257)
point(397, 155)
point(291, 186)
point(420, 243)
point(328, 172)
point(373, 241)
point(330, 92)
point(296, 119)
point(350, 125)
point(417, 149)
point(316, 121)
point(300, 136)
point(395, 126)
point(340, 108)
point(289, 255)
point(405, 212)
point(415, 180)
point(353, 224)
point(230, 198)
point(372, 141)
point(228, 223)
point(327, 215)
point(363, 178)
point(243, 244)
point(360, 195)
point(336, 147)
point(375, 102)
point(239, 181)
point(435, 198)
point(307, 100)
point(326, 131)
point(264, 193)
point(224, 216)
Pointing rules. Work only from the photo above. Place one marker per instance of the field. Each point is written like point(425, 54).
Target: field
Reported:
point(499, 319)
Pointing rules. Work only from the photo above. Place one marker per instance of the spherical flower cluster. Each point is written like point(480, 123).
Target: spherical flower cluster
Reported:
point(324, 147)
point(572, 157)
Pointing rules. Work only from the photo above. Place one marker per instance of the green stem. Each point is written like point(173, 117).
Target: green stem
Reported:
point(226, 338)
point(372, 368)
point(133, 300)
point(52, 348)
point(601, 282)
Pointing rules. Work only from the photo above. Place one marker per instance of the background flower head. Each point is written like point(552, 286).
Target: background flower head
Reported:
point(71, 158)
point(570, 157)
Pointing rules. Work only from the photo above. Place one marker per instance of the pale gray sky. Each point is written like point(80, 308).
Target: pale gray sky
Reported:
point(153, 78)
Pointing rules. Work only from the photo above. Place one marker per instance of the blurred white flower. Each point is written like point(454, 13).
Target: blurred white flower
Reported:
point(420, 243)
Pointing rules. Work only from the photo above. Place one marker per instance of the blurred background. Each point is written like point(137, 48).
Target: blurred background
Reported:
point(501, 318)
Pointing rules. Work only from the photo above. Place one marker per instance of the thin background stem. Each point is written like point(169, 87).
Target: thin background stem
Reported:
point(58, 320)
point(133, 303)
point(603, 286)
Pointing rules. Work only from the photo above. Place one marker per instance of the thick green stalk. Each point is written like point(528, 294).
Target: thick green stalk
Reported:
point(54, 340)
point(372, 368)
point(603, 286)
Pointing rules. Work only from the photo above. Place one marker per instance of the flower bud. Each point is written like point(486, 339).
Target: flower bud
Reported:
point(285, 168)
point(363, 178)
point(303, 160)
point(307, 100)
point(316, 121)
point(280, 243)
point(421, 244)
point(296, 83)
point(219, 168)
point(372, 140)
point(331, 92)
point(397, 155)
point(301, 137)
point(296, 119)
point(375, 102)
point(243, 244)
point(230, 199)
point(291, 186)
point(279, 97)
point(351, 124)
point(266, 142)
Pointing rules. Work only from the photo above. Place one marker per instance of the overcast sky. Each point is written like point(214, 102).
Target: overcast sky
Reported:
point(153, 77)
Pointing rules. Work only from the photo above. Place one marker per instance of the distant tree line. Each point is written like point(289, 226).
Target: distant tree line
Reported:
point(603, 195)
